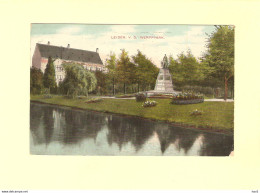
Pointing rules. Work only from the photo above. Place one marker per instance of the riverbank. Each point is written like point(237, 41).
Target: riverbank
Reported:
point(216, 116)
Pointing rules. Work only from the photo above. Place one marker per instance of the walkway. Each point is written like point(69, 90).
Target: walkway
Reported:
point(219, 100)
point(208, 100)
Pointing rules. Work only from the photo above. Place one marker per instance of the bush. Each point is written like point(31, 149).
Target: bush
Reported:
point(140, 97)
point(196, 113)
point(149, 104)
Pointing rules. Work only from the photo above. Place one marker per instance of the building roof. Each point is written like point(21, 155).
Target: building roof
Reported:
point(69, 54)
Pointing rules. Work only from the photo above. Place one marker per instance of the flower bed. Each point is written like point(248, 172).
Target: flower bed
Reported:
point(94, 100)
point(149, 104)
point(187, 98)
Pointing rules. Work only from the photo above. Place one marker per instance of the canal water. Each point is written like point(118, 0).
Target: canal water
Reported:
point(64, 131)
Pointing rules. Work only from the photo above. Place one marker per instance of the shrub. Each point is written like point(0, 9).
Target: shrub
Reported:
point(196, 112)
point(140, 97)
point(149, 104)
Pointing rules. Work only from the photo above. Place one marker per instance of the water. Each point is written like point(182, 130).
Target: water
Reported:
point(64, 131)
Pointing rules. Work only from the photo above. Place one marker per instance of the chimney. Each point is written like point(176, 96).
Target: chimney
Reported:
point(97, 50)
point(68, 46)
point(48, 42)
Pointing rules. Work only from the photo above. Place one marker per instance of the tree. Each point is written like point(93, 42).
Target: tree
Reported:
point(186, 70)
point(220, 54)
point(36, 80)
point(111, 66)
point(101, 82)
point(146, 71)
point(78, 81)
point(49, 76)
point(125, 70)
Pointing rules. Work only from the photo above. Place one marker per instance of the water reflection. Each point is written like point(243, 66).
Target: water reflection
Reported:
point(64, 131)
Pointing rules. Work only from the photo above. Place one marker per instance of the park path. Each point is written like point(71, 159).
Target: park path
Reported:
point(208, 100)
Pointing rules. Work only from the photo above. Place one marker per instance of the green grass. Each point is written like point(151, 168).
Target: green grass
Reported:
point(216, 115)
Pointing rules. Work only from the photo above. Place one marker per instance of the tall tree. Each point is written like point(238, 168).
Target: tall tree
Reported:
point(101, 82)
point(78, 81)
point(186, 70)
point(220, 54)
point(49, 80)
point(125, 69)
point(146, 72)
point(36, 80)
point(111, 66)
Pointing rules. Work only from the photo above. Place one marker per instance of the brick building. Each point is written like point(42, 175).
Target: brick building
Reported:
point(90, 60)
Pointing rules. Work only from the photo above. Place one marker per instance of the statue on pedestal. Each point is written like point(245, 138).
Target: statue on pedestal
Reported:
point(164, 79)
point(165, 63)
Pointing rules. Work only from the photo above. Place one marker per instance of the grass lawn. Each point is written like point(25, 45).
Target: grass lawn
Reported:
point(215, 116)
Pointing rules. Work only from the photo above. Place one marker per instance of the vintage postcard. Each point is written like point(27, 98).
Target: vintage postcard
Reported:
point(132, 90)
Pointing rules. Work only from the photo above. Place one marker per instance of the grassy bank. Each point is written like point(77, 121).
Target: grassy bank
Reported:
point(215, 116)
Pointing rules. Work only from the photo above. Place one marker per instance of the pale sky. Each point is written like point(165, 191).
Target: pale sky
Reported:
point(174, 39)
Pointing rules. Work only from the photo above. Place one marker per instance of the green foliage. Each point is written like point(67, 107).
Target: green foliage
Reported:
point(36, 81)
point(49, 80)
point(146, 72)
point(220, 55)
point(140, 97)
point(186, 70)
point(111, 75)
point(78, 81)
point(101, 83)
point(125, 70)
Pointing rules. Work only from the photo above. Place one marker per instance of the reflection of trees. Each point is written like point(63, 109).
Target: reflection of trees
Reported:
point(217, 145)
point(48, 122)
point(180, 137)
point(183, 139)
point(41, 133)
point(123, 130)
point(76, 125)
point(35, 117)
point(80, 125)
point(164, 135)
point(35, 120)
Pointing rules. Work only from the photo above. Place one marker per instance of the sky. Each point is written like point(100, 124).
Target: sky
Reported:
point(152, 40)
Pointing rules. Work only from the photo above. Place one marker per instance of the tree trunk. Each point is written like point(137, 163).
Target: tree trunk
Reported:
point(124, 88)
point(114, 92)
point(138, 88)
point(226, 88)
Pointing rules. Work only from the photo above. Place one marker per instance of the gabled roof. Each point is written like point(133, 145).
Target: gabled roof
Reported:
point(69, 54)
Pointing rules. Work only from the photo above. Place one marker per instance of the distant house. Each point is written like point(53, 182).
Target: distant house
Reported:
point(90, 60)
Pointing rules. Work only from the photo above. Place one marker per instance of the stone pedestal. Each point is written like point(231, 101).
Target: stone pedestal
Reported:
point(164, 82)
